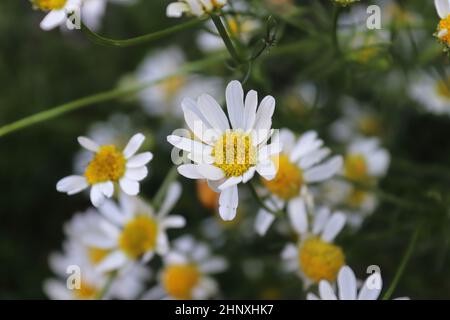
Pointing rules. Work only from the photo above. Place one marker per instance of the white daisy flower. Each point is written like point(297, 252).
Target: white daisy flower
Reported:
point(443, 29)
point(126, 285)
point(301, 162)
point(356, 121)
point(365, 162)
point(186, 272)
point(347, 287)
point(57, 11)
point(165, 98)
point(92, 11)
point(224, 155)
point(193, 7)
point(133, 231)
point(107, 167)
point(432, 92)
point(315, 257)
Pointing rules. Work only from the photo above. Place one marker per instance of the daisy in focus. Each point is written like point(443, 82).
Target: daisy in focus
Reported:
point(186, 272)
point(193, 7)
point(108, 167)
point(224, 155)
point(443, 29)
point(302, 161)
point(315, 257)
point(57, 11)
point(165, 98)
point(365, 163)
point(348, 289)
point(133, 231)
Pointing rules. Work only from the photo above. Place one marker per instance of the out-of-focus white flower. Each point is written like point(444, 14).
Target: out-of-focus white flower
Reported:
point(165, 98)
point(186, 272)
point(109, 166)
point(134, 231)
point(193, 7)
point(224, 155)
point(301, 162)
point(443, 29)
point(92, 11)
point(347, 287)
point(57, 11)
point(315, 257)
point(126, 285)
point(432, 92)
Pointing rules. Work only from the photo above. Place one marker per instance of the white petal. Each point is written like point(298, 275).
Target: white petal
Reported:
point(371, 288)
point(230, 182)
point(72, 184)
point(251, 103)
point(313, 158)
point(172, 195)
point(326, 291)
point(96, 195)
point(197, 122)
point(107, 188)
point(188, 145)
point(263, 120)
point(112, 212)
point(347, 284)
point(113, 261)
point(139, 160)
point(210, 172)
point(297, 215)
point(128, 186)
point(88, 144)
point(162, 246)
point(263, 222)
point(333, 227)
point(133, 145)
point(324, 171)
point(249, 174)
point(176, 9)
point(228, 202)
point(311, 296)
point(53, 19)
point(234, 95)
point(174, 221)
point(190, 171)
point(320, 220)
point(214, 265)
point(213, 113)
point(269, 150)
point(307, 143)
point(442, 7)
point(267, 169)
point(136, 174)
point(290, 251)
point(379, 163)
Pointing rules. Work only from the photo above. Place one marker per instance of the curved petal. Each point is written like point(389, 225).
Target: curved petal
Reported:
point(326, 291)
point(72, 184)
point(371, 288)
point(136, 174)
point(133, 145)
point(172, 195)
point(263, 222)
point(234, 95)
point(442, 8)
point(333, 227)
point(251, 103)
point(96, 195)
point(128, 186)
point(213, 113)
point(113, 261)
point(53, 19)
point(297, 215)
point(139, 160)
point(176, 9)
point(346, 284)
point(228, 202)
point(88, 144)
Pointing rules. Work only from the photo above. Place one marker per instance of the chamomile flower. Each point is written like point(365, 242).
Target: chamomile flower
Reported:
point(107, 167)
point(443, 29)
point(165, 98)
point(57, 11)
point(315, 257)
point(193, 7)
point(134, 231)
point(187, 270)
point(432, 92)
point(348, 289)
point(365, 162)
point(224, 155)
point(301, 162)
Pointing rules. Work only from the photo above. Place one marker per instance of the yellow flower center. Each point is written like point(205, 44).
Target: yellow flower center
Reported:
point(138, 236)
point(369, 125)
point(107, 165)
point(443, 88)
point(444, 24)
point(356, 197)
point(288, 180)
point(47, 5)
point(234, 153)
point(320, 260)
point(172, 86)
point(96, 255)
point(86, 291)
point(355, 167)
point(180, 279)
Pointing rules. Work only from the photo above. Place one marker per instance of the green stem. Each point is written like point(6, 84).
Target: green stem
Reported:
point(101, 97)
point(109, 281)
point(159, 197)
point(98, 39)
point(259, 200)
point(403, 263)
point(226, 39)
point(336, 12)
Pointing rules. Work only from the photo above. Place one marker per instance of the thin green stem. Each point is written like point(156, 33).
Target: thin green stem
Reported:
point(102, 97)
point(101, 40)
point(259, 200)
point(159, 197)
point(403, 263)
point(334, 33)
point(226, 39)
point(109, 281)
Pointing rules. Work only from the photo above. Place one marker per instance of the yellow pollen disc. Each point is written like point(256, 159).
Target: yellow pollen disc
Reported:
point(47, 5)
point(443, 89)
point(233, 26)
point(96, 255)
point(320, 260)
point(108, 165)
point(138, 236)
point(180, 279)
point(356, 197)
point(355, 167)
point(444, 24)
point(234, 153)
point(85, 292)
point(288, 181)
point(370, 126)
point(172, 86)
